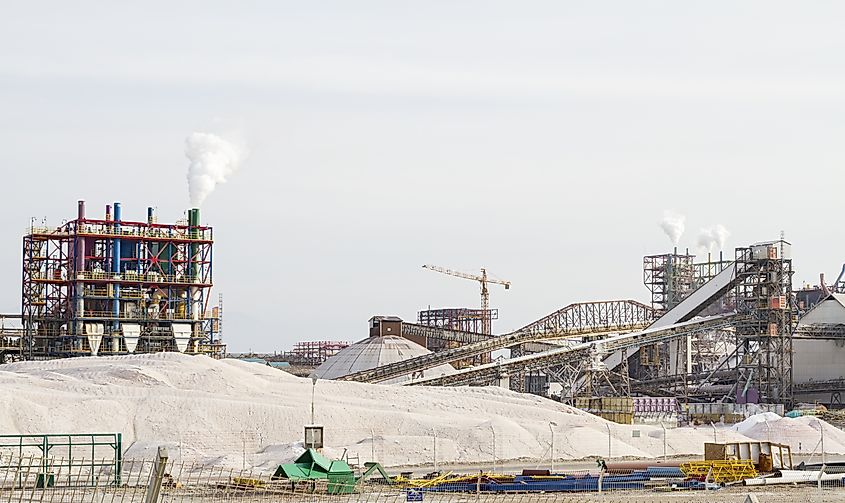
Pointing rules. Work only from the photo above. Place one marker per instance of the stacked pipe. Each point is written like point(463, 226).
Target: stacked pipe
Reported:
point(115, 267)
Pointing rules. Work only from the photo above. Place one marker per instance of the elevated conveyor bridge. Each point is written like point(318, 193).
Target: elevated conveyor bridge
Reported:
point(585, 319)
point(491, 372)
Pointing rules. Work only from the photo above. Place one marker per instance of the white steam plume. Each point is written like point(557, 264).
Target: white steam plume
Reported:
point(673, 225)
point(712, 239)
point(213, 160)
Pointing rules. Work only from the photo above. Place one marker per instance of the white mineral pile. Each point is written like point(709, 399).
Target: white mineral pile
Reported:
point(802, 434)
point(236, 414)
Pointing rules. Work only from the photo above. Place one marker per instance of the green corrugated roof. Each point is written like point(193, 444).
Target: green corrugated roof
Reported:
point(312, 465)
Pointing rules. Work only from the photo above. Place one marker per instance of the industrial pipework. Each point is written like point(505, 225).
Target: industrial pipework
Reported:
point(135, 286)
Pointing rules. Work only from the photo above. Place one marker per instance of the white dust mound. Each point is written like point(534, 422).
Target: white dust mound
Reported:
point(802, 434)
point(240, 414)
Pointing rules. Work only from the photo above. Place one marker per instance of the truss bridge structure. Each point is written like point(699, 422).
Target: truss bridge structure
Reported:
point(581, 320)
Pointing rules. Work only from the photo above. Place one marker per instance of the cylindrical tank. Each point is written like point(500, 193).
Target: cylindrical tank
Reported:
point(194, 233)
point(79, 266)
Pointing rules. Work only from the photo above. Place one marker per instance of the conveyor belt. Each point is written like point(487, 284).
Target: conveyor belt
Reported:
point(580, 319)
point(431, 360)
point(489, 372)
point(691, 306)
point(701, 297)
point(443, 334)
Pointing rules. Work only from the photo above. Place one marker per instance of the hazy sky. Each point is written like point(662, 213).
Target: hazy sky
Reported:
point(542, 140)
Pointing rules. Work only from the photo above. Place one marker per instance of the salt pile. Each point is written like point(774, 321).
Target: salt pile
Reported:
point(802, 434)
point(239, 414)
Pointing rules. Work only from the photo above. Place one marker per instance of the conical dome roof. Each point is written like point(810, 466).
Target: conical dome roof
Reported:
point(373, 352)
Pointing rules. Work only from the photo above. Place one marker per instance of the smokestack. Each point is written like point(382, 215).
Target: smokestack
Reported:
point(150, 215)
point(108, 212)
point(193, 232)
point(80, 210)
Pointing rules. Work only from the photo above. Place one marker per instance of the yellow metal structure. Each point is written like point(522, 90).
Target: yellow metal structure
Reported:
point(248, 483)
point(449, 478)
point(720, 471)
point(485, 293)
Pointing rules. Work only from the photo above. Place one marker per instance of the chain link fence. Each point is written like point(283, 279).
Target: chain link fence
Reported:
point(490, 446)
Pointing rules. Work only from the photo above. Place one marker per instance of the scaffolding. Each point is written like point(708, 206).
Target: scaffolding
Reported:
point(113, 286)
point(312, 353)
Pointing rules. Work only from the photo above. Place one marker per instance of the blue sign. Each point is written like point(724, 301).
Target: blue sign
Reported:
point(414, 495)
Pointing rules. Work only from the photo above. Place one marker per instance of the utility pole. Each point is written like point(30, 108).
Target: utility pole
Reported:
point(493, 430)
point(313, 388)
point(435, 449)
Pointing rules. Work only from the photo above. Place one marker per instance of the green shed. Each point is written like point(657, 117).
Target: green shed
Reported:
point(311, 465)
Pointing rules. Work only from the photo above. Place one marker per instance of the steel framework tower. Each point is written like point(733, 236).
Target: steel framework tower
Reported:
point(669, 278)
point(768, 317)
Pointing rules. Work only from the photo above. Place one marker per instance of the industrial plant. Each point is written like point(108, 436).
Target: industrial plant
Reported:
point(724, 332)
point(722, 340)
point(108, 285)
point(713, 331)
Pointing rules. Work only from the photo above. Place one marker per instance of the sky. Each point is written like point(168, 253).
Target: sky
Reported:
point(540, 140)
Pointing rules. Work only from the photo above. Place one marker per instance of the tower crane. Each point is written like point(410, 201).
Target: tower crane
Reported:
point(485, 293)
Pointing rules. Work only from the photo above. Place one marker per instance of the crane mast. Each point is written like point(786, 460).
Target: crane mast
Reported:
point(486, 322)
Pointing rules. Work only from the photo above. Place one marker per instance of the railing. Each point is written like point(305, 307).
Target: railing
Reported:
point(92, 454)
point(126, 230)
point(125, 277)
point(139, 315)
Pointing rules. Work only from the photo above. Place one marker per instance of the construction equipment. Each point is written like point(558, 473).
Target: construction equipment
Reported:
point(485, 293)
point(720, 471)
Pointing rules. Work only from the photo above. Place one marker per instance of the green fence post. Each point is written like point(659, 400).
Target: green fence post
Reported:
point(118, 459)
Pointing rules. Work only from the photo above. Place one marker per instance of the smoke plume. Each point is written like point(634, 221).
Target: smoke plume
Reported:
point(712, 239)
point(212, 161)
point(673, 225)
